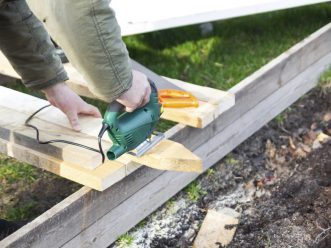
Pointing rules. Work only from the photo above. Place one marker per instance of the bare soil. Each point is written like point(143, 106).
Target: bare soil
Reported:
point(297, 213)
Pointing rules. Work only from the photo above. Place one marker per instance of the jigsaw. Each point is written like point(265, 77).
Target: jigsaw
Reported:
point(131, 132)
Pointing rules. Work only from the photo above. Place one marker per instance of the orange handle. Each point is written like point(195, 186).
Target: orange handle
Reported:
point(177, 99)
point(174, 94)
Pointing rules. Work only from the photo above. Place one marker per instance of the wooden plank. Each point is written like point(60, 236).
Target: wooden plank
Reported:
point(164, 156)
point(12, 129)
point(135, 18)
point(212, 102)
point(99, 178)
point(112, 209)
point(217, 229)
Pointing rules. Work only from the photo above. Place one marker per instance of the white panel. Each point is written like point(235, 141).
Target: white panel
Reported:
point(139, 16)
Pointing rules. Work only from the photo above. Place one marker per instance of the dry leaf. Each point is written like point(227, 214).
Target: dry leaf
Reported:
point(300, 153)
point(327, 117)
point(291, 143)
point(270, 149)
point(322, 137)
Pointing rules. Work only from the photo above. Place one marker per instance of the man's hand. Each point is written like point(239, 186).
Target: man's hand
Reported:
point(62, 97)
point(139, 93)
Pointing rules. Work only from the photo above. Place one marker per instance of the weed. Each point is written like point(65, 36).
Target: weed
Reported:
point(141, 224)
point(13, 171)
point(210, 172)
point(194, 191)
point(267, 242)
point(22, 212)
point(325, 81)
point(231, 160)
point(170, 204)
point(280, 118)
point(124, 241)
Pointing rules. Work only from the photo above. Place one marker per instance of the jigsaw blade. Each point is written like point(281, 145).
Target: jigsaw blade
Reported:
point(148, 144)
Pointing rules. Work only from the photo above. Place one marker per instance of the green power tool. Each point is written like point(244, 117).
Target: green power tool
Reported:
point(129, 131)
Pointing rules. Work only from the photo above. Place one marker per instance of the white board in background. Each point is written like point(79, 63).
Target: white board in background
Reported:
point(140, 16)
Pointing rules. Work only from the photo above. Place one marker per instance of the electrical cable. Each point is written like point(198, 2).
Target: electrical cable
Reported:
point(26, 123)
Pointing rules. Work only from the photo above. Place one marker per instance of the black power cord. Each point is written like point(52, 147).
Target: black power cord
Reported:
point(102, 131)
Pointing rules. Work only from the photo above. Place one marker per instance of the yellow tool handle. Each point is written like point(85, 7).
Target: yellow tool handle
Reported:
point(177, 99)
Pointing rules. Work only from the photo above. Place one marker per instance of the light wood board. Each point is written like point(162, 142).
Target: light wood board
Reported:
point(93, 219)
point(15, 107)
point(212, 102)
point(219, 226)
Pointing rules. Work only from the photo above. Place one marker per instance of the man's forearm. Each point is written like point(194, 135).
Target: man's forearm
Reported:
point(27, 45)
point(90, 36)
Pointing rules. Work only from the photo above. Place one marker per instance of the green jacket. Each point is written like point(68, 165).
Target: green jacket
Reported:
point(87, 31)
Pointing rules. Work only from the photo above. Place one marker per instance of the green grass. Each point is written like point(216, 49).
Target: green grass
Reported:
point(14, 174)
point(237, 47)
point(21, 212)
point(13, 171)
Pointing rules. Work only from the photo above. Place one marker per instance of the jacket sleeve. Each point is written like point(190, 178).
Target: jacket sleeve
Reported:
point(27, 45)
point(90, 36)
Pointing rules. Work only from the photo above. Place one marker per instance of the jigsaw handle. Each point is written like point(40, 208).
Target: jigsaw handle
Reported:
point(118, 108)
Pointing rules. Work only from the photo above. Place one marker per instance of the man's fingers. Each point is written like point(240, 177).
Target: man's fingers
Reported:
point(138, 95)
point(91, 110)
point(143, 101)
point(73, 119)
point(147, 96)
point(128, 109)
